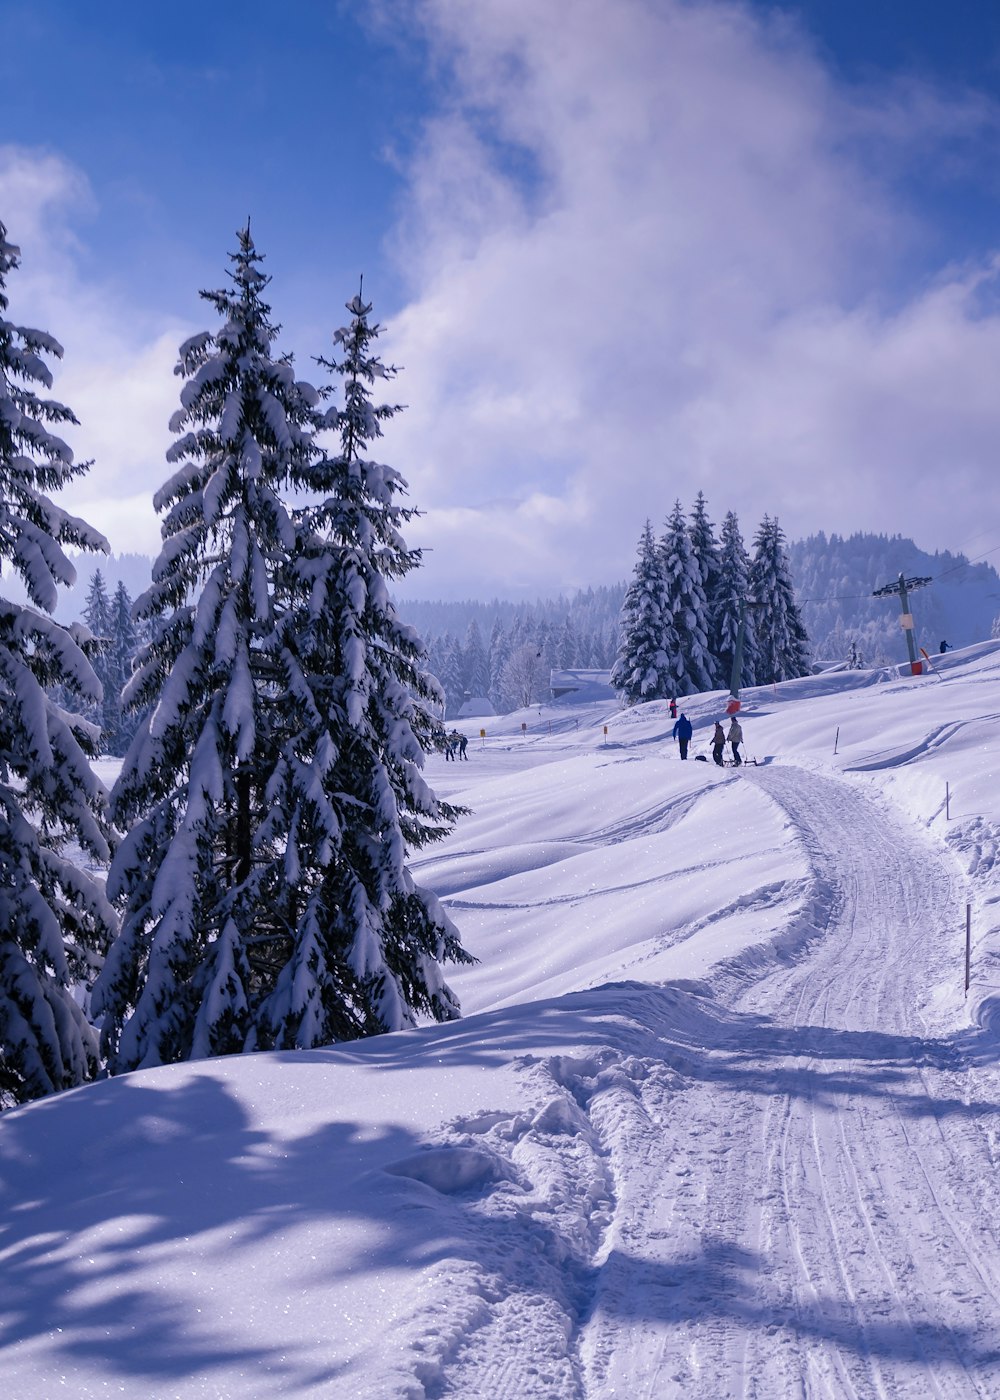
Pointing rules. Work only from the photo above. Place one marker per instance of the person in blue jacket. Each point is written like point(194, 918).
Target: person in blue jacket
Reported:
point(683, 732)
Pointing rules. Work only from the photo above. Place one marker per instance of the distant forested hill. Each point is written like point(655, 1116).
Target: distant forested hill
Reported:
point(591, 614)
point(835, 577)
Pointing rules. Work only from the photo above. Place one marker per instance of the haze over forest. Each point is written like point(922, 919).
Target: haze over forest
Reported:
point(834, 579)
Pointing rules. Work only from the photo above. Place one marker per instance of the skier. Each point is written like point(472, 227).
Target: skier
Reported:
point(673, 709)
point(945, 646)
point(463, 744)
point(735, 737)
point(682, 733)
point(718, 743)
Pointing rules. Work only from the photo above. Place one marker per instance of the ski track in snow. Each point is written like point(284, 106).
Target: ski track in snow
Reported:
point(715, 1219)
point(896, 758)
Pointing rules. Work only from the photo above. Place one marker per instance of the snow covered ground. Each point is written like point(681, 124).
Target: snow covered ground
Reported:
point(719, 1121)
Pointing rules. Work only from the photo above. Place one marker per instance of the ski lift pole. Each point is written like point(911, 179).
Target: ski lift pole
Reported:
point(906, 619)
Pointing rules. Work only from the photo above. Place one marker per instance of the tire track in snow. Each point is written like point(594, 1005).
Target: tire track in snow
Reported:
point(826, 1241)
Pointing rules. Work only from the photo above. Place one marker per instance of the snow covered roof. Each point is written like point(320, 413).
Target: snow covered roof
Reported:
point(475, 706)
point(566, 682)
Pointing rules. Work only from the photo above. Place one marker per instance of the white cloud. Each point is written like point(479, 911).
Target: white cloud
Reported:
point(117, 370)
point(650, 245)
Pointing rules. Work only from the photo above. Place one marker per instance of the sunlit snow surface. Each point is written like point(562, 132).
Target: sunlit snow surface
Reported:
point(719, 1119)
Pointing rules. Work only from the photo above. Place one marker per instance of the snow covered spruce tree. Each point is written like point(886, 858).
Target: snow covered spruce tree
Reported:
point(689, 663)
point(477, 667)
point(782, 643)
point(499, 650)
point(360, 945)
point(451, 675)
point(705, 553)
point(55, 922)
point(122, 649)
point(732, 593)
point(97, 609)
point(647, 636)
point(97, 615)
point(192, 792)
point(264, 839)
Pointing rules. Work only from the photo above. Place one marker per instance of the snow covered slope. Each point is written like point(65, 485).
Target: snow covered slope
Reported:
point(720, 1120)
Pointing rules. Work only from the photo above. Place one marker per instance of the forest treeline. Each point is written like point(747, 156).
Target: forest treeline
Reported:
point(833, 577)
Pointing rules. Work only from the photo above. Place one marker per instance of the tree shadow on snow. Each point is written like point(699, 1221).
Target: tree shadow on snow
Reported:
point(103, 1180)
point(724, 1281)
point(157, 1170)
point(680, 1024)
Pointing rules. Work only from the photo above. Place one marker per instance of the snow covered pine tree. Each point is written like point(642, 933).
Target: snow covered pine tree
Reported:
point(55, 922)
point(364, 944)
point(705, 553)
point(124, 645)
point(689, 663)
point(477, 667)
point(260, 908)
point(728, 604)
point(782, 642)
point(641, 670)
point(97, 616)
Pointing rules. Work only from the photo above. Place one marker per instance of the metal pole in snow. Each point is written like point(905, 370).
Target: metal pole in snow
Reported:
point(906, 618)
point(837, 739)
point(968, 945)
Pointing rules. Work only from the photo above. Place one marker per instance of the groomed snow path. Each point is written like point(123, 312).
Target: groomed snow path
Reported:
point(798, 1202)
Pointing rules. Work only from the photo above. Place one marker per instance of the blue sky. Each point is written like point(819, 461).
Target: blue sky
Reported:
point(624, 250)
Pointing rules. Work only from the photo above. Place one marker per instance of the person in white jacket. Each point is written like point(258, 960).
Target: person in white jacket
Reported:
point(735, 737)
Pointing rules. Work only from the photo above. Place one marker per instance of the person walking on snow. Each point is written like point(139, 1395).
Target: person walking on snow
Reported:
point(718, 743)
point(735, 737)
point(673, 709)
point(682, 733)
